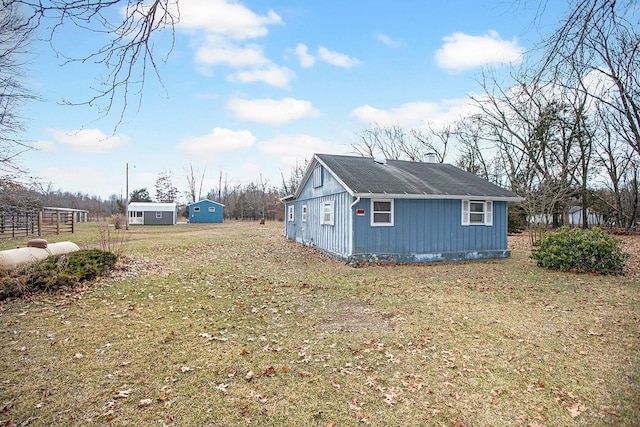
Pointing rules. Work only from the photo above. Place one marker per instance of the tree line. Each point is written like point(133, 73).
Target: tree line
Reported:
point(562, 131)
point(252, 201)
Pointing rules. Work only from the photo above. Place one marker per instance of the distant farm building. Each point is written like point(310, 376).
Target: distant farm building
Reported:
point(151, 213)
point(206, 211)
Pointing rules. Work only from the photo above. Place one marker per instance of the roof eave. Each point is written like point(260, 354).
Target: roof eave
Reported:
point(438, 196)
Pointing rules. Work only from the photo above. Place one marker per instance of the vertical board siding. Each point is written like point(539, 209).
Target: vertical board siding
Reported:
point(421, 226)
point(204, 216)
point(333, 239)
point(150, 218)
point(428, 226)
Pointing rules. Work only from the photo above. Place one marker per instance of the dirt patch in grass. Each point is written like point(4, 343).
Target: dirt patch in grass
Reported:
point(132, 266)
point(354, 315)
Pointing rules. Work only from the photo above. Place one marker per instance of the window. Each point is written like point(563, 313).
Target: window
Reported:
point(477, 212)
point(304, 213)
point(158, 215)
point(212, 208)
point(317, 176)
point(290, 213)
point(327, 213)
point(196, 209)
point(381, 212)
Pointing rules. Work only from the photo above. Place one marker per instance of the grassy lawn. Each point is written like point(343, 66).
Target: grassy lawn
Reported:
point(231, 324)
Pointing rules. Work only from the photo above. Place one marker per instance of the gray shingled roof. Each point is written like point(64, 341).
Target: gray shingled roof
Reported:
point(364, 176)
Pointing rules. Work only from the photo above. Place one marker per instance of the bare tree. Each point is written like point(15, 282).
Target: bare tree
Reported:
point(195, 186)
point(541, 137)
point(14, 39)
point(434, 141)
point(395, 143)
point(127, 54)
point(472, 146)
point(290, 183)
point(596, 51)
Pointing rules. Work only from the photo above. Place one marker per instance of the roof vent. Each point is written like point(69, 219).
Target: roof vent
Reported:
point(380, 160)
point(431, 158)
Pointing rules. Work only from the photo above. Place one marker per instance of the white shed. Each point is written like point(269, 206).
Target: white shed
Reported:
point(152, 213)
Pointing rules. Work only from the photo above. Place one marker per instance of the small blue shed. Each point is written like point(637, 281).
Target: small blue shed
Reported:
point(363, 210)
point(206, 211)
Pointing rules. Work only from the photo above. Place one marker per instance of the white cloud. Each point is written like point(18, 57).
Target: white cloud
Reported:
point(88, 140)
point(462, 51)
point(251, 169)
point(386, 40)
point(305, 59)
point(272, 111)
point(294, 149)
point(46, 146)
point(209, 146)
point(272, 75)
point(220, 29)
point(225, 17)
point(79, 179)
point(216, 50)
point(415, 114)
point(337, 59)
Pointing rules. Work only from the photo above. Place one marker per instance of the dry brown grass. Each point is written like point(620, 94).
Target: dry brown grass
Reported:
point(231, 325)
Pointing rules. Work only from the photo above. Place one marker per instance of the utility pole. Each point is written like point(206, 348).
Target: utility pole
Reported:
point(126, 201)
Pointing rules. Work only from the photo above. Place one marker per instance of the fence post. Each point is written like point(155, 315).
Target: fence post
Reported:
point(40, 214)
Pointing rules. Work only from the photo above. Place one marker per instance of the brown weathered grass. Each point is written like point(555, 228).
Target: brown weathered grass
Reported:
point(231, 325)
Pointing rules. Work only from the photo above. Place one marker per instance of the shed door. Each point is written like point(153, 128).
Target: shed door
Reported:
point(136, 217)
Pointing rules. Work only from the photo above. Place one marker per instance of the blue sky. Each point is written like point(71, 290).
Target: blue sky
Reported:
point(252, 87)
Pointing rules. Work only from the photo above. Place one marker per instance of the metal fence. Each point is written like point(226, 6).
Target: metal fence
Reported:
point(35, 223)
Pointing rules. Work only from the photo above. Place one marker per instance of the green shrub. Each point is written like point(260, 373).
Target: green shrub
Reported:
point(56, 272)
point(592, 251)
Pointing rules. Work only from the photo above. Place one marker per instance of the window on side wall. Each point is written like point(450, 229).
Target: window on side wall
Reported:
point(212, 208)
point(477, 212)
point(381, 212)
point(158, 215)
point(196, 209)
point(327, 215)
point(304, 213)
point(290, 213)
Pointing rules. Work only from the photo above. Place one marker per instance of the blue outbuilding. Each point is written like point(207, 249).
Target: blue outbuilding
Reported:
point(206, 211)
point(361, 209)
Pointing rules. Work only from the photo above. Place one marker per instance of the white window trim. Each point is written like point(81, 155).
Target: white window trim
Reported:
point(212, 208)
point(304, 213)
point(196, 208)
point(487, 213)
point(391, 216)
point(158, 215)
point(291, 213)
point(327, 204)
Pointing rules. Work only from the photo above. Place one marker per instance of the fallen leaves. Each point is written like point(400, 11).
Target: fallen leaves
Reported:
point(145, 402)
point(570, 402)
point(122, 394)
point(576, 409)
